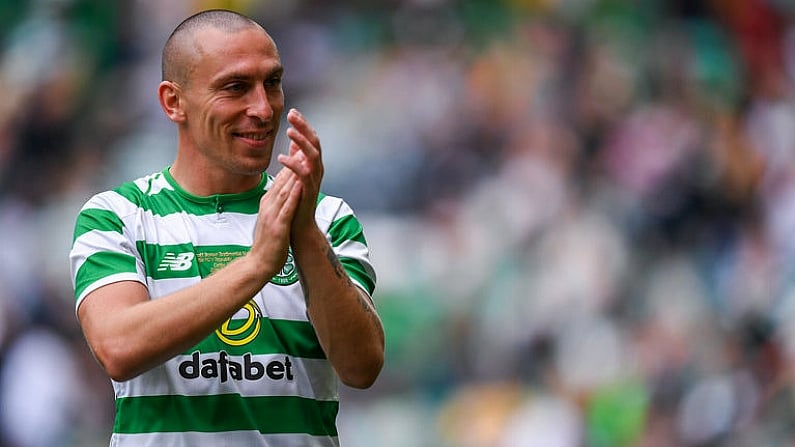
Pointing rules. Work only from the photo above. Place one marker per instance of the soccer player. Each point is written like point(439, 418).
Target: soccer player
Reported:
point(225, 303)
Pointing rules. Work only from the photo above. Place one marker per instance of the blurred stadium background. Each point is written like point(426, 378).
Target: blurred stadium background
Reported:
point(582, 211)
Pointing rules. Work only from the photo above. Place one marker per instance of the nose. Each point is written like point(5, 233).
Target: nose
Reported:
point(259, 105)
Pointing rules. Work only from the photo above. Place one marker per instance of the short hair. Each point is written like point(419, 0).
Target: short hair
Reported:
point(174, 65)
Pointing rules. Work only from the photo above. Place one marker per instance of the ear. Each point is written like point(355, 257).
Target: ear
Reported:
point(169, 95)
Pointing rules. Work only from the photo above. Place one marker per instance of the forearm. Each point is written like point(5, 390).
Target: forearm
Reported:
point(130, 333)
point(343, 316)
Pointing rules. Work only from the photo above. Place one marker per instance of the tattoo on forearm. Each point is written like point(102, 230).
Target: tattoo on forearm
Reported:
point(338, 269)
point(364, 300)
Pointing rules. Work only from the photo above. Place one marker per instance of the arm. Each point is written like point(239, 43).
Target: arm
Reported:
point(342, 314)
point(129, 333)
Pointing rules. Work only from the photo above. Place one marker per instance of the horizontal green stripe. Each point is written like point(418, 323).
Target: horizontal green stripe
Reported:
point(241, 206)
point(166, 261)
point(226, 412)
point(100, 265)
point(163, 203)
point(213, 257)
point(357, 271)
point(346, 229)
point(97, 219)
point(170, 201)
point(293, 338)
point(188, 261)
point(171, 261)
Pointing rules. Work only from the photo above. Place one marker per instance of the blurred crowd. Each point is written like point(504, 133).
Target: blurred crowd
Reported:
point(582, 212)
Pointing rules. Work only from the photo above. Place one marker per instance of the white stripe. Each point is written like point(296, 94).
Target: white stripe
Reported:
point(225, 439)
point(276, 302)
point(118, 277)
point(157, 184)
point(162, 287)
point(95, 241)
point(182, 228)
point(112, 201)
point(312, 378)
point(355, 250)
point(330, 209)
point(237, 229)
point(282, 302)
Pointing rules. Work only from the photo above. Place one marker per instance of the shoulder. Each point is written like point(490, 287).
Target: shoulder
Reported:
point(128, 196)
point(329, 208)
point(336, 218)
point(142, 187)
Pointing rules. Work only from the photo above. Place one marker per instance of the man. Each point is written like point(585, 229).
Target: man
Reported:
point(225, 303)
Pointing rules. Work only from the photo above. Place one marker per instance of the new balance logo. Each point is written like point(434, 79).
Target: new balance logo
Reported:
point(176, 262)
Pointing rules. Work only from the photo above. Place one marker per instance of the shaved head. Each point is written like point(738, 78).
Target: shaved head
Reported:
point(181, 47)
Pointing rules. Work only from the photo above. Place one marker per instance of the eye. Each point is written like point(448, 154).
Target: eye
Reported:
point(235, 87)
point(274, 82)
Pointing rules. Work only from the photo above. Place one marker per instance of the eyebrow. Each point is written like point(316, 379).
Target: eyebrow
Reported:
point(242, 76)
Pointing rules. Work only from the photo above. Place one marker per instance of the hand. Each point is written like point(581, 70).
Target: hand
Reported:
point(305, 161)
point(272, 231)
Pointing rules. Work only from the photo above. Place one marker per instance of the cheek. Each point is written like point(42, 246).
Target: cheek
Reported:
point(215, 121)
point(276, 100)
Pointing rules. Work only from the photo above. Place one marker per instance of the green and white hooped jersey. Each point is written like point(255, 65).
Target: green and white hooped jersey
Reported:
point(262, 378)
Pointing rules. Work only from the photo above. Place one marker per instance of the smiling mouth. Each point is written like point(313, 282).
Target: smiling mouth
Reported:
point(256, 139)
point(254, 136)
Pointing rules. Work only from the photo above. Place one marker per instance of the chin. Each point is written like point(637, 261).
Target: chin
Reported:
point(255, 168)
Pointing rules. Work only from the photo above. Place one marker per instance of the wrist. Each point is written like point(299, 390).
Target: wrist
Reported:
point(254, 270)
point(308, 238)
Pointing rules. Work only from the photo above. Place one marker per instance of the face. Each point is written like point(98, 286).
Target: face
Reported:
point(233, 100)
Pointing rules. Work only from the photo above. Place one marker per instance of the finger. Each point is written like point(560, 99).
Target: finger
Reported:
point(301, 148)
point(277, 184)
point(285, 201)
point(275, 196)
point(299, 123)
point(278, 180)
point(281, 194)
point(295, 163)
point(304, 140)
point(293, 198)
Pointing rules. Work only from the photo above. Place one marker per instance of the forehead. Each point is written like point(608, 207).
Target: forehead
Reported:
point(250, 51)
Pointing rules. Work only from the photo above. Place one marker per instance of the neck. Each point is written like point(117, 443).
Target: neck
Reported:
point(201, 181)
